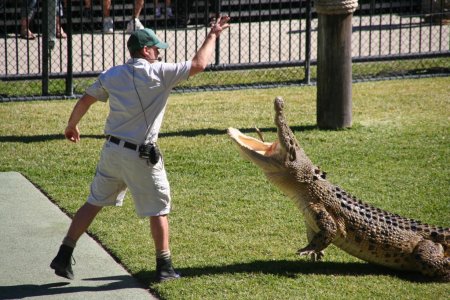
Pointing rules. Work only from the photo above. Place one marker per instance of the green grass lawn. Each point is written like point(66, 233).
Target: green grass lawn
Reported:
point(233, 235)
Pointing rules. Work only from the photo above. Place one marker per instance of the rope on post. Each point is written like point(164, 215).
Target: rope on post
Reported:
point(335, 7)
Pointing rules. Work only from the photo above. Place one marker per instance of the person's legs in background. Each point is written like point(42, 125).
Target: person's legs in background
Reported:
point(27, 12)
point(134, 23)
point(60, 34)
point(108, 23)
point(166, 8)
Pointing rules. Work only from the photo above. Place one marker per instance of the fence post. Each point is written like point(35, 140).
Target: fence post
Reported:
point(218, 11)
point(69, 75)
point(48, 40)
point(334, 63)
point(308, 42)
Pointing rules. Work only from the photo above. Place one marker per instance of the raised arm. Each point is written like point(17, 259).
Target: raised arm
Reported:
point(203, 55)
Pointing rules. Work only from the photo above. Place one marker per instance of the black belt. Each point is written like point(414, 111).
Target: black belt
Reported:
point(126, 144)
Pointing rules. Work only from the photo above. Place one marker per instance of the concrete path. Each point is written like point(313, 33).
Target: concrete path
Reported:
point(31, 230)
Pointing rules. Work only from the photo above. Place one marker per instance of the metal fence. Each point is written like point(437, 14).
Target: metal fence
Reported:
point(269, 43)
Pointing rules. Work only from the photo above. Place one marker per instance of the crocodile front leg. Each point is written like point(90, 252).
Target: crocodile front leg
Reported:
point(315, 256)
point(320, 240)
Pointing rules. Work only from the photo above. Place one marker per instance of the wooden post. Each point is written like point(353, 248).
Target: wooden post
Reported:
point(334, 63)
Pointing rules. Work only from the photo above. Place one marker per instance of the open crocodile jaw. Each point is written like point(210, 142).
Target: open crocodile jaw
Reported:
point(274, 156)
point(268, 156)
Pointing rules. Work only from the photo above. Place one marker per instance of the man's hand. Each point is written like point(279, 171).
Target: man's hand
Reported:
point(220, 25)
point(203, 55)
point(72, 133)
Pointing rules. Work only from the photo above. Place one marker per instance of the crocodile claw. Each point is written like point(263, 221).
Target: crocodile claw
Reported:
point(313, 254)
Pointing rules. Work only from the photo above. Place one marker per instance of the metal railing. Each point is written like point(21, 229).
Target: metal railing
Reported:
point(269, 43)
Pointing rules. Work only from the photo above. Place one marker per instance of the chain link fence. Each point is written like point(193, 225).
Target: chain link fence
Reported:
point(270, 43)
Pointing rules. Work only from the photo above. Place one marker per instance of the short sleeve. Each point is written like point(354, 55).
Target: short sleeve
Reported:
point(174, 73)
point(97, 91)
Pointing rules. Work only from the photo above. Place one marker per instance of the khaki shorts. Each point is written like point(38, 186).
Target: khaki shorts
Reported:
point(120, 168)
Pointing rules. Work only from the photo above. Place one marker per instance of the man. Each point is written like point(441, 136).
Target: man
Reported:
point(137, 93)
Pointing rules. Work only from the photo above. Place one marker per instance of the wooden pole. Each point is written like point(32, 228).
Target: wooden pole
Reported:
point(334, 64)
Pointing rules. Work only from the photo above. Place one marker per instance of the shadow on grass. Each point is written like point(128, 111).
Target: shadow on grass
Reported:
point(40, 138)
point(70, 289)
point(182, 133)
point(292, 269)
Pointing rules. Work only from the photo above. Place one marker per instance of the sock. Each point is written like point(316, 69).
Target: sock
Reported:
point(163, 254)
point(69, 242)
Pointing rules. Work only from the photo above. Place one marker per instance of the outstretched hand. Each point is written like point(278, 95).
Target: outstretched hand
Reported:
point(220, 25)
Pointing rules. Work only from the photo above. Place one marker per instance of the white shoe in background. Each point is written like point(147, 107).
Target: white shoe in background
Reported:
point(133, 25)
point(108, 25)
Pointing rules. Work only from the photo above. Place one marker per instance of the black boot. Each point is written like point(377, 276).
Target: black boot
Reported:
point(62, 263)
point(164, 270)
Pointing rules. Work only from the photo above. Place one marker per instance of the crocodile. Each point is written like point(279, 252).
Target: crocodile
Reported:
point(333, 216)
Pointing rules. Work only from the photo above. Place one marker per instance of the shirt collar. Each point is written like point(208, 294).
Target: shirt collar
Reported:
point(134, 61)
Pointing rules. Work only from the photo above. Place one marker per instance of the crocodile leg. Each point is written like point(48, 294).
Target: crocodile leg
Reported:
point(310, 235)
point(430, 260)
point(320, 240)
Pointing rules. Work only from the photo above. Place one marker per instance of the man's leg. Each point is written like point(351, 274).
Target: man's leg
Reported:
point(134, 23)
point(159, 226)
point(106, 8)
point(82, 220)
point(108, 22)
point(138, 5)
point(80, 223)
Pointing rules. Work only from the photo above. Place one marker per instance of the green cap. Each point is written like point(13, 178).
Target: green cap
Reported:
point(144, 37)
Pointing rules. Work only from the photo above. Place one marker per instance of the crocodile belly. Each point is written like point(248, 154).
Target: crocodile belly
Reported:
point(392, 248)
